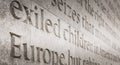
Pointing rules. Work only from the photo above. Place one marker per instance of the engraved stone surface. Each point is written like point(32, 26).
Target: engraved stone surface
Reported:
point(59, 32)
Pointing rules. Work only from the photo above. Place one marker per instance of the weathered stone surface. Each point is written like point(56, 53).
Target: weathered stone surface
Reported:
point(58, 32)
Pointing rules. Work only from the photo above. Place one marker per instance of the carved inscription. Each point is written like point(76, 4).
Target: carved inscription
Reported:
point(70, 34)
point(36, 17)
point(46, 56)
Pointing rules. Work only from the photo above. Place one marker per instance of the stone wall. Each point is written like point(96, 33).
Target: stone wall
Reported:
point(59, 32)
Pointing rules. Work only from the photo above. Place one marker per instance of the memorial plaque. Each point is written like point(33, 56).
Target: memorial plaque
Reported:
point(59, 32)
